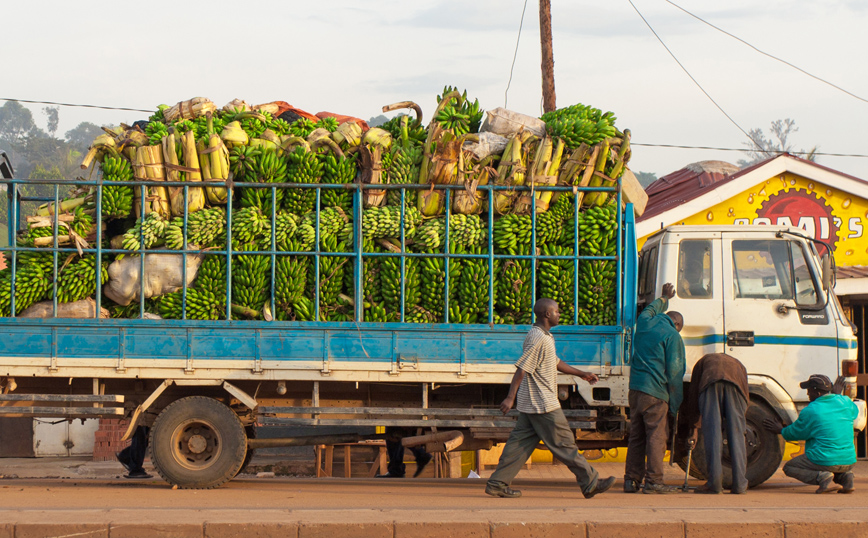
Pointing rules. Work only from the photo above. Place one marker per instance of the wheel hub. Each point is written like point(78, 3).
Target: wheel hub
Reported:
point(197, 444)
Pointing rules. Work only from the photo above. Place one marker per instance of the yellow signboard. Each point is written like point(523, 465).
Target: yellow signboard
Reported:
point(830, 214)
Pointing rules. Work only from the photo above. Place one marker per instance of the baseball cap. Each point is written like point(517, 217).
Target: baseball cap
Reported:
point(817, 381)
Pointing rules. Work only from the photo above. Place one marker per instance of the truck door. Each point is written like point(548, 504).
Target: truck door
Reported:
point(767, 279)
point(698, 294)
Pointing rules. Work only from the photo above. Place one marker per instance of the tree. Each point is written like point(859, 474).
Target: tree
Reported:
point(53, 114)
point(80, 137)
point(376, 121)
point(761, 148)
point(645, 178)
point(16, 124)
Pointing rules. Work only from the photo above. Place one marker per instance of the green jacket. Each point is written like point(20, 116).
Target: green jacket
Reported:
point(826, 426)
point(658, 366)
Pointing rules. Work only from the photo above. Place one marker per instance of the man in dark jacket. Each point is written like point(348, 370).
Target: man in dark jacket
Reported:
point(656, 390)
point(718, 394)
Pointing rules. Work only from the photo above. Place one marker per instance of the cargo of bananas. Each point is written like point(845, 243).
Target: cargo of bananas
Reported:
point(331, 274)
point(268, 167)
point(249, 225)
point(511, 171)
point(598, 231)
point(303, 167)
point(146, 233)
point(467, 230)
point(211, 277)
point(213, 160)
point(612, 158)
point(375, 161)
point(117, 200)
point(430, 235)
point(390, 284)
point(555, 279)
point(543, 168)
point(285, 228)
point(579, 124)
point(378, 222)
point(77, 279)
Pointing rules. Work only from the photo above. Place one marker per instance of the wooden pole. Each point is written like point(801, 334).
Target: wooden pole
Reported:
point(548, 59)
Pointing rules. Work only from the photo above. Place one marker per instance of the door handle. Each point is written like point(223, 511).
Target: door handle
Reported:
point(739, 338)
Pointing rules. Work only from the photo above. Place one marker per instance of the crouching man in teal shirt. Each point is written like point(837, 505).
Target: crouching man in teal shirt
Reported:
point(826, 426)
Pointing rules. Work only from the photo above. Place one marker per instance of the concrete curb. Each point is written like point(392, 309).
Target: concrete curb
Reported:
point(436, 529)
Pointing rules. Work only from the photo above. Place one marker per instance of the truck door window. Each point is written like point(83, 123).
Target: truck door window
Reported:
point(762, 269)
point(648, 278)
point(694, 269)
point(806, 290)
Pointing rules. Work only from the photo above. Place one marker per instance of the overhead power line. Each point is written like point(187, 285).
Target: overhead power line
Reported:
point(698, 85)
point(791, 152)
point(773, 57)
point(75, 105)
point(515, 54)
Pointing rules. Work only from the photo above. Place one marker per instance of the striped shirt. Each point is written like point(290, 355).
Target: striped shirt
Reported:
point(538, 392)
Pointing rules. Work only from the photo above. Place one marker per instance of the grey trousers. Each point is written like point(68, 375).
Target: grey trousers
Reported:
point(803, 469)
point(722, 403)
point(648, 433)
point(553, 430)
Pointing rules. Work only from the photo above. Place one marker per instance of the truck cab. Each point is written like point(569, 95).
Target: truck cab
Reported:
point(764, 295)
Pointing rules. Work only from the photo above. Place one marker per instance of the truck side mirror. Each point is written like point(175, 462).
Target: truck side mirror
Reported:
point(827, 272)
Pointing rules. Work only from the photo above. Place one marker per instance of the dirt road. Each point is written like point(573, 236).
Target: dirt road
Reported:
point(265, 507)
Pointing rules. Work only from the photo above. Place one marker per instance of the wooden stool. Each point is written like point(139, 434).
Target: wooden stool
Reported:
point(324, 465)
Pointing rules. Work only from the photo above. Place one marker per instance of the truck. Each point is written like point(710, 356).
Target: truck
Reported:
point(763, 294)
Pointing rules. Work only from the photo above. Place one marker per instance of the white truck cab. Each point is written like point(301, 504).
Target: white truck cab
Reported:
point(762, 294)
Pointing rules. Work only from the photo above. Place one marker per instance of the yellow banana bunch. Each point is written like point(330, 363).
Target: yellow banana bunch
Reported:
point(218, 159)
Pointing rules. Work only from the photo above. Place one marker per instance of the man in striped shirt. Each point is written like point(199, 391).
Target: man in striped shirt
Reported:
point(540, 417)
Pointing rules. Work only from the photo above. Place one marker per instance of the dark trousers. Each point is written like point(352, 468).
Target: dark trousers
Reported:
point(722, 404)
point(553, 430)
point(801, 468)
point(648, 433)
point(134, 455)
point(395, 450)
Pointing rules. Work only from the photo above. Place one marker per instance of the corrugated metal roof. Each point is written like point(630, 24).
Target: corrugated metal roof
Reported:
point(697, 179)
point(851, 271)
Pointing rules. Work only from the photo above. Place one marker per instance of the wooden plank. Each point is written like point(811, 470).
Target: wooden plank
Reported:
point(414, 411)
point(347, 464)
point(69, 412)
point(435, 423)
point(83, 398)
point(632, 191)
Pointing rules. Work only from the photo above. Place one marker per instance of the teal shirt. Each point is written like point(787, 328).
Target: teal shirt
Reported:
point(826, 426)
point(658, 366)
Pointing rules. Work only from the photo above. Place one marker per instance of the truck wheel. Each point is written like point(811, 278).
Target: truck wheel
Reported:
point(765, 450)
point(197, 443)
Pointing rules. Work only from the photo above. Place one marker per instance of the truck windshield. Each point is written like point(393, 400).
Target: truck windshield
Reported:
point(772, 269)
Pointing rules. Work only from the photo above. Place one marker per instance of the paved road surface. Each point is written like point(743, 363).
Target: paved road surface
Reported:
point(551, 505)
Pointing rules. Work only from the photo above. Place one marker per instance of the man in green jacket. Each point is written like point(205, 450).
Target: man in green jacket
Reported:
point(826, 426)
point(656, 390)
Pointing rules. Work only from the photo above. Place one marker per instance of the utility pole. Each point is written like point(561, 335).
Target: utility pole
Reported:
point(548, 58)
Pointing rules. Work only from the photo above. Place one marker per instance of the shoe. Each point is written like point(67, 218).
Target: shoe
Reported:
point(421, 463)
point(631, 486)
point(847, 483)
point(827, 484)
point(123, 462)
point(658, 488)
point(389, 475)
point(601, 487)
point(499, 489)
point(137, 475)
point(705, 488)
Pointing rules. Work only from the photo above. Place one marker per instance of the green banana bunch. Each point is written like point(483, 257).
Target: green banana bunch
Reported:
point(279, 126)
point(206, 226)
point(212, 277)
point(598, 231)
point(174, 235)
point(77, 280)
point(32, 281)
point(341, 171)
point(467, 230)
point(390, 284)
point(302, 127)
point(473, 286)
point(149, 231)
point(303, 167)
point(82, 224)
point(285, 227)
point(251, 280)
point(250, 225)
point(556, 278)
point(513, 233)
point(430, 234)
point(379, 222)
point(201, 305)
point(155, 131)
point(242, 162)
point(291, 276)
point(433, 274)
point(330, 124)
point(513, 282)
point(117, 200)
point(331, 273)
point(269, 167)
point(468, 117)
point(406, 159)
point(597, 292)
point(578, 124)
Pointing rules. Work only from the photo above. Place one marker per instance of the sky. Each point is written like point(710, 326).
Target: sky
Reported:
point(354, 56)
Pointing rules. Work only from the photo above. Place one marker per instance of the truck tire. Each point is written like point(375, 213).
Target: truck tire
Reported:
point(765, 450)
point(250, 431)
point(197, 443)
